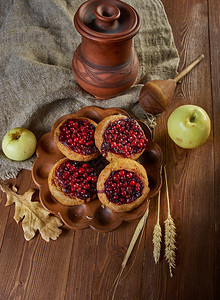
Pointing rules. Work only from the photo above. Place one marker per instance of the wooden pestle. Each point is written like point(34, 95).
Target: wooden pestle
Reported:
point(156, 95)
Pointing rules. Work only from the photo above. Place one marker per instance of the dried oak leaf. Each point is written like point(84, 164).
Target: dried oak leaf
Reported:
point(32, 215)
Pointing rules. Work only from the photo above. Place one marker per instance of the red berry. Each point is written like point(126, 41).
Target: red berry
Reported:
point(94, 179)
point(116, 177)
point(129, 175)
point(121, 173)
point(81, 170)
point(123, 193)
point(87, 186)
point(113, 144)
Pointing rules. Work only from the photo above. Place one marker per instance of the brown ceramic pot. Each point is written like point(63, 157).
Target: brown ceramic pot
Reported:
point(105, 64)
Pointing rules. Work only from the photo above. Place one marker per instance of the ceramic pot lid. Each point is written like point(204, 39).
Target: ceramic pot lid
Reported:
point(107, 20)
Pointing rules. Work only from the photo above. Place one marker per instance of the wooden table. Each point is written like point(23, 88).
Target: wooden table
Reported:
point(83, 264)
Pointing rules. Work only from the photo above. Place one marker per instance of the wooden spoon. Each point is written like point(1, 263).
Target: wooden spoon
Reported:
point(156, 95)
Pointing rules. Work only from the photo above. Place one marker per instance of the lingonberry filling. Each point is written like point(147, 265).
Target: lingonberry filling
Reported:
point(77, 179)
point(123, 187)
point(123, 137)
point(78, 135)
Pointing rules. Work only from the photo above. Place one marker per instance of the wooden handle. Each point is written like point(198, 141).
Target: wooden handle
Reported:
point(189, 68)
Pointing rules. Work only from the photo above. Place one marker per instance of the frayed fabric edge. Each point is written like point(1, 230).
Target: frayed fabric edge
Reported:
point(10, 174)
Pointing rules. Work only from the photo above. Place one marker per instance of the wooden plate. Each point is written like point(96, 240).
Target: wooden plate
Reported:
point(92, 214)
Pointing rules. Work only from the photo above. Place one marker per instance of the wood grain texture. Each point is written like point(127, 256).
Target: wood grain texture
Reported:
point(191, 172)
point(214, 27)
point(83, 264)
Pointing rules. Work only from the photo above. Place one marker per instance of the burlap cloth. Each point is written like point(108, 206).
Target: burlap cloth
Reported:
point(37, 86)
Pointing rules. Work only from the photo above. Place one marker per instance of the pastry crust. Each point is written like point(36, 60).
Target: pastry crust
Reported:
point(129, 165)
point(99, 137)
point(70, 153)
point(56, 190)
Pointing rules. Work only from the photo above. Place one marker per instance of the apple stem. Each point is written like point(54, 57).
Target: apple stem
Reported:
point(16, 136)
point(192, 119)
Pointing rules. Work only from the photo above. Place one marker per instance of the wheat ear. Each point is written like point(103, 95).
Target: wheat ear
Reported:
point(170, 233)
point(157, 232)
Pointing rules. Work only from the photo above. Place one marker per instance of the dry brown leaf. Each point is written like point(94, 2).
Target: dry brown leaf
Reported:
point(32, 215)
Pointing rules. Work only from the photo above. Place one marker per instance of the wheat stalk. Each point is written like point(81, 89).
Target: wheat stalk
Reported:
point(170, 233)
point(157, 233)
point(138, 230)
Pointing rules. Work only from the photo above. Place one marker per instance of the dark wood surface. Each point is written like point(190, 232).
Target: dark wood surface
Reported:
point(83, 264)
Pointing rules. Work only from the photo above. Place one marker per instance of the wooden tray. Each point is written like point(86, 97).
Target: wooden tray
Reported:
point(92, 214)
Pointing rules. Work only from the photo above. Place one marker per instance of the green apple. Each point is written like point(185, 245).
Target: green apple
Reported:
point(19, 144)
point(189, 126)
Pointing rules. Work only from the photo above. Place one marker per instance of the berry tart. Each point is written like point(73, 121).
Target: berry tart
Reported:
point(119, 136)
point(72, 182)
point(122, 185)
point(75, 138)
